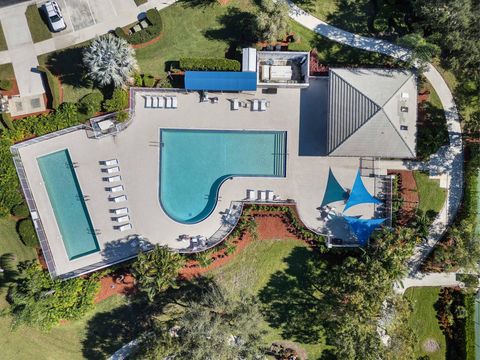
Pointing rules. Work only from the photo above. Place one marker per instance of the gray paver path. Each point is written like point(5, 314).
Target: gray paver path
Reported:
point(448, 161)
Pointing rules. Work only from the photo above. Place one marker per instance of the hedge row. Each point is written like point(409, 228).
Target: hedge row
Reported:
point(470, 340)
point(27, 233)
point(53, 86)
point(147, 34)
point(212, 64)
point(7, 120)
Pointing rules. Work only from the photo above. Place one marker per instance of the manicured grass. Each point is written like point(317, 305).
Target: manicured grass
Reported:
point(62, 342)
point(269, 267)
point(190, 31)
point(321, 9)
point(140, 2)
point(424, 321)
point(3, 42)
point(431, 195)
point(38, 29)
point(6, 71)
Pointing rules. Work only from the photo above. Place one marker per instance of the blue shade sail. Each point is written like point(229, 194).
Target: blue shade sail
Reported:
point(359, 194)
point(334, 191)
point(363, 228)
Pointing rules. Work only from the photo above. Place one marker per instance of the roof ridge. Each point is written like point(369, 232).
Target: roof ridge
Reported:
point(399, 134)
point(396, 91)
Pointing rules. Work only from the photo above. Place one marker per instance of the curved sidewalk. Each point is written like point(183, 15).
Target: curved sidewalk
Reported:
point(447, 161)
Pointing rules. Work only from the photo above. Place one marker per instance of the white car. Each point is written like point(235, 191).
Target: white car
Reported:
point(54, 16)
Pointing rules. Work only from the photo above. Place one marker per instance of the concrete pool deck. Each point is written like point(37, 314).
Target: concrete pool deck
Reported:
point(301, 113)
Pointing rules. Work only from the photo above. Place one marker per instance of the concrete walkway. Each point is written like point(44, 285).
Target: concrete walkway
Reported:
point(447, 162)
point(430, 279)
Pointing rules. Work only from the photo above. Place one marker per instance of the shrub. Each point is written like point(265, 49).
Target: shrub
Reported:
point(53, 86)
point(118, 102)
point(137, 79)
point(21, 210)
point(299, 46)
point(148, 80)
point(154, 17)
point(27, 233)
point(144, 35)
point(204, 258)
point(140, 2)
point(212, 64)
point(5, 85)
point(120, 33)
point(38, 300)
point(91, 103)
point(122, 116)
point(7, 120)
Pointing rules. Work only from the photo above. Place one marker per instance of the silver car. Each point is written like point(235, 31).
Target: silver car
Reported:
point(54, 16)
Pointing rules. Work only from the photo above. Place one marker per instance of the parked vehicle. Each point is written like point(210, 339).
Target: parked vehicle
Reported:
point(54, 16)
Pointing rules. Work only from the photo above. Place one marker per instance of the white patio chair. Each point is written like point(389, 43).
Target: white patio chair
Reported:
point(117, 188)
point(251, 195)
point(263, 105)
point(168, 102)
point(270, 195)
point(122, 219)
point(114, 178)
point(124, 227)
point(110, 162)
point(148, 101)
point(155, 102)
point(174, 102)
point(121, 211)
point(235, 104)
point(111, 170)
point(255, 105)
point(161, 102)
point(118, 199)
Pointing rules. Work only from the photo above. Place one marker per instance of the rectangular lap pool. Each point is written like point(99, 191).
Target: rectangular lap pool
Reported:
point(68, 204)
point(195, 163)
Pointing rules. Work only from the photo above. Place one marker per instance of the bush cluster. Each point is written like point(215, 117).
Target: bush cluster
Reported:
point(53, 86)
point(148, 80)
point(212, 64)
point(21, 210)
point(5, 85)
point(7, 120)
point(118, 102)
point(91, 103)
point(144, 35)
point(27, 233)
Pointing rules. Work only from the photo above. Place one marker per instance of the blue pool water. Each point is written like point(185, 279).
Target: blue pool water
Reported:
point(68, 205)
point(194, 164)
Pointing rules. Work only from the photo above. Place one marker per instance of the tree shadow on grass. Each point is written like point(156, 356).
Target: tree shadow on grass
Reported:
point(238, 30)
point(67, 64)
point(198, 3)
point(290, 302)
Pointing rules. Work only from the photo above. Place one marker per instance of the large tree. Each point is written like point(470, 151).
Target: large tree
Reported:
point(272, 20)
point(157, 270)
point(214, 327)
point(110, 61)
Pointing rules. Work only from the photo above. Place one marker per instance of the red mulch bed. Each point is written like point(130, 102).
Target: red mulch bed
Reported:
point(150, 42)
point(409, 193)
point(114, 285)
point(41, 258)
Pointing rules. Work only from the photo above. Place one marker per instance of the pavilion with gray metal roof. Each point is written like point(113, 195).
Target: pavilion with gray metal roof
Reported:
point(372, 112)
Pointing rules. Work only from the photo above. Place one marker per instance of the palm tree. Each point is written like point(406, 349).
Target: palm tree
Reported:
point(110, 60)
point(272, 21)
point(157, 270)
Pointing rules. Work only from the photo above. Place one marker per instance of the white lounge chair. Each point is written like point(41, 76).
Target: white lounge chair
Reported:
point(168, 102)
point(154, 102)
point(121, 211)
point(161, 102)
point(174, 102)
point(111, 170)
point(123, 219)
point(124, 227)
point(114, 178)
point(119, 199)
point(110, 162)
point(262, 195)
point(148, 101)
point(255, 105)
point(270, 195)
point(117, 188)
point(235, 104)
point(263, 105)
point(251, 195)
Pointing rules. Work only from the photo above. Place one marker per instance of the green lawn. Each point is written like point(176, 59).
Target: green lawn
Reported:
point(11, 244)
point(6, 71)
point(272, 270)
point(3, 42)
point(62, 342)
point(38, 29)
point(424, 321)
point(431, 195)
point(322, 9)
point(194, 32)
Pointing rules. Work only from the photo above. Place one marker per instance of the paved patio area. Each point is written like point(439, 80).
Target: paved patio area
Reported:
point(137, 151)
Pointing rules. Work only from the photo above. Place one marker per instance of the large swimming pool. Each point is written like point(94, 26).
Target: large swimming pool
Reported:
point(68, 204)
point(194, 164)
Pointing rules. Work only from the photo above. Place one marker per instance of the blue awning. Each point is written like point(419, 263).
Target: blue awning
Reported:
point(363, 228)
point(221, 80)
point(359, 194)
point(334, 191)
